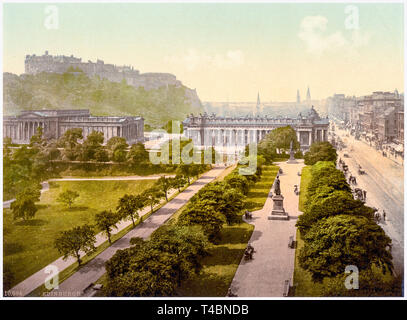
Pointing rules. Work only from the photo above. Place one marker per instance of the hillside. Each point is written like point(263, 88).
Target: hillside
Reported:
point(76, 90)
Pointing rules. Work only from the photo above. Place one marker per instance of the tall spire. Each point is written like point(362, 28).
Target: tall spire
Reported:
point(308, 94)
point(258, 104)
point(298, 96)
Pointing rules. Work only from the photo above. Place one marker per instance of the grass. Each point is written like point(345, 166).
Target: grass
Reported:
point(28, 245)
point(258, 193)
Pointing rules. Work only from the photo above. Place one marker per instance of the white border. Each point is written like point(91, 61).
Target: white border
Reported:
point(202, 298)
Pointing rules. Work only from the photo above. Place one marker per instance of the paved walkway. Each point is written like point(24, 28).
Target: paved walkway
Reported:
point(92, 271)
point(273, 260)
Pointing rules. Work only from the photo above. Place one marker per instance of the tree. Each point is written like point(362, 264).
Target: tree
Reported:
point(320, 151)
point(69, 141)
point(278, 139)
point(238, 182)
point(68, 197)
point(23, 207)
point(117, 148)
point(331, 203)
point(188, 243)
point(178, 182)
point(324, 174)
point(228, 202)
point(185, 170)
point(165, 184)
point(336, 242)
point(130, 205)
point(106, 221)
point(71, 242)
point(153, 196)
point(204, 216)
point(138, 154)
point(91, 145)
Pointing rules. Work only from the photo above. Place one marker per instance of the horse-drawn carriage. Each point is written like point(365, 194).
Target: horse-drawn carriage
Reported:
point(361, 171)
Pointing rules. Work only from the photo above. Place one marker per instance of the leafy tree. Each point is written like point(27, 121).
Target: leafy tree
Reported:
point(228, 202)
point(172, 254)
point(185, 170)
point(92, 144)
point(153, 196)
point(178, 182)
point(138, 154)
point(165, 184)
point(23, 207)
point(372, 283)
point(151, 273)
point(324, 174)
point(68, 197)
point(101, 155)
point(69, 141)
point(71, 242)
point(188, 244)
point(130, 206)
point(331, 203)
point(117, 147)
point(278, 139)
point(204, 216)
point(106, 221)
point(336, 242)
point(320, 151)
point(238, 182)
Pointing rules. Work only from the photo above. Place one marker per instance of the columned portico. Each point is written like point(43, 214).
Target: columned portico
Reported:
point(55, 122)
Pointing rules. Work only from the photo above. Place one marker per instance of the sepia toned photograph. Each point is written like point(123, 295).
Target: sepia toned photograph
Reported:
point(203, 150)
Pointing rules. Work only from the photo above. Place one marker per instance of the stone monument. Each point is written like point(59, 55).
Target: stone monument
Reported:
point(292, 159)
point(278, 212)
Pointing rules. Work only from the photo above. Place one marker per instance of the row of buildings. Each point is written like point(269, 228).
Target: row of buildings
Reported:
point(378, 117)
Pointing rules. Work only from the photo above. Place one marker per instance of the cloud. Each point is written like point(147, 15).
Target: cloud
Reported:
point(313, 33)
point(194, 59)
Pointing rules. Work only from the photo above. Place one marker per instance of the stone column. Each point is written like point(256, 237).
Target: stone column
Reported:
point(309, 138)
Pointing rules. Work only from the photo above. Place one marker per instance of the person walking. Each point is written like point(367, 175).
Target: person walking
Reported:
point(384, 215)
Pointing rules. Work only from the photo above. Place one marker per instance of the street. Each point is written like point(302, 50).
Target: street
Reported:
point(384, 183)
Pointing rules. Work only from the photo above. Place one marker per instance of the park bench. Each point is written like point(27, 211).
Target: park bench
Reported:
point(291, 242)
point(286, 288)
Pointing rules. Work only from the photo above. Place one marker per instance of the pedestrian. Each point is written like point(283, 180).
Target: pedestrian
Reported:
point(364, 194)
point(384, 215)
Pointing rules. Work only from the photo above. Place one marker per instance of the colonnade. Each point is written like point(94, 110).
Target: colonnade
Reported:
point(242, 137)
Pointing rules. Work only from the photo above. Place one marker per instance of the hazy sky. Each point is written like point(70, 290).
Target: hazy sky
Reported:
point(225, 51)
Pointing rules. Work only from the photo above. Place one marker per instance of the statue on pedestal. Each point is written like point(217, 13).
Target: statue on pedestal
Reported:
point(292, 159)
point(277, 190)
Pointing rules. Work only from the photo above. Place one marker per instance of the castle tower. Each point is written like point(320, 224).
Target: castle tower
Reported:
point(308, 95)
point(298, 96)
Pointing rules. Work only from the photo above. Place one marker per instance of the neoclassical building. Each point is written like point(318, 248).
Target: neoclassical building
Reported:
point(210, 130)
point(55, 122)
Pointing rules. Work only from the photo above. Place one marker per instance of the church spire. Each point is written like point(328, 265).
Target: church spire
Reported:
point(308, 94)
point(298, 96)
point(258, 104)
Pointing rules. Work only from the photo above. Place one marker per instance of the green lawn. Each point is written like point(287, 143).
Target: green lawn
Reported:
point(258, 193)
point(29, 246)
point(220, 267)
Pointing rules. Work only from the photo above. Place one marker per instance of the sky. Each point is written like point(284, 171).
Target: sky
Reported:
point(227, 51)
